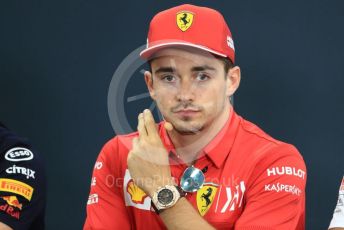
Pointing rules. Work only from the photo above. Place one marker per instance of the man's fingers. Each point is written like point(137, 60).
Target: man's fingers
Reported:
point(150, 123)
point(168, 126)
point(141, 126)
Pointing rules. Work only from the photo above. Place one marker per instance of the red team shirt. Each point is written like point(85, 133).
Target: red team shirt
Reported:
point(252, 182)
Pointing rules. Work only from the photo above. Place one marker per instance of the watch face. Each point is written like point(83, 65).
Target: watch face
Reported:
point(165, 196)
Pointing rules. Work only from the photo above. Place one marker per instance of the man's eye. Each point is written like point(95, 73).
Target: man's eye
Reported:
point(168, 78)
point(202, 77)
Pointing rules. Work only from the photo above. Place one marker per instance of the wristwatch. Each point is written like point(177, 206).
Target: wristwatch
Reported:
point(165, 197)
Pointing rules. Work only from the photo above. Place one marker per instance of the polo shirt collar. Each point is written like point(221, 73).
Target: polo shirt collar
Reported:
point(219, 148)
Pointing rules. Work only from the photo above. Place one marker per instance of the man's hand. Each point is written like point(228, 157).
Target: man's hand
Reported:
point(149, 167)
point(148, 160)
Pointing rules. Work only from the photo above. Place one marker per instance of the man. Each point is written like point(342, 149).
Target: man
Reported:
point(337, 222)
point(22, 184)
point(204, 167)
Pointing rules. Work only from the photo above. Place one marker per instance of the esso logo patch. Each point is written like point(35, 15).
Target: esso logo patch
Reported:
point(19, 154)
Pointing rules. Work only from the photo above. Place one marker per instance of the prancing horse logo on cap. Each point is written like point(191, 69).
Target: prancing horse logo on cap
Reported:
point(184, 20)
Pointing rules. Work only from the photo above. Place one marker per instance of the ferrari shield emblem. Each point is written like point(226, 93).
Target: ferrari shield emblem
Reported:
point(205, 197)
point(184, 20)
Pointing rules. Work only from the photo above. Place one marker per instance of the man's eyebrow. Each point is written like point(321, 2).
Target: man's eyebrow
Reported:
point(202, 68)
point(165, 70)
point(193, 69)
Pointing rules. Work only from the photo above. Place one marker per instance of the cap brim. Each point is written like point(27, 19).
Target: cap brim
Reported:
point(148, 52)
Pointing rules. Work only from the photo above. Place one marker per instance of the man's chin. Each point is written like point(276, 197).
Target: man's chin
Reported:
point(188, 129)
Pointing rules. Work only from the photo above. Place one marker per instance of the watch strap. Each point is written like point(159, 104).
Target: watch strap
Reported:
point(182, 193)
point(158, 211)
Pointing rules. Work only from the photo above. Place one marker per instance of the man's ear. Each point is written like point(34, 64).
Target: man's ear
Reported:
point(149, 82)
point(233, 80)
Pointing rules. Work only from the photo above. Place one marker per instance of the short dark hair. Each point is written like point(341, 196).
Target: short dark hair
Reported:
point(227, 63)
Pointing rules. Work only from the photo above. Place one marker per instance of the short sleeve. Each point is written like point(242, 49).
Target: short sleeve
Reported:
point(105, 206)
point(275, 199)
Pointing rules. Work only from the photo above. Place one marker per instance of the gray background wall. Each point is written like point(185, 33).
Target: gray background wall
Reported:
point(57, 59)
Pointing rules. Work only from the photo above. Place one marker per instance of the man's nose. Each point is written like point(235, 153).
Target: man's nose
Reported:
point(186, 91)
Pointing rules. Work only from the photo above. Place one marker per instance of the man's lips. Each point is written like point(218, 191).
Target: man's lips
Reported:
point(187, 112)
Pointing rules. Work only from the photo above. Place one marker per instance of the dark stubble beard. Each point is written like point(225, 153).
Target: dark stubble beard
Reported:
point(185, 131)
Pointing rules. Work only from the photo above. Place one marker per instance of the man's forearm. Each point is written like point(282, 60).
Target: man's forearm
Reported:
point(183, 216)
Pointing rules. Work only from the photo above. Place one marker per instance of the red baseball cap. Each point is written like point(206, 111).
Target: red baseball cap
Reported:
point(191, 26)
